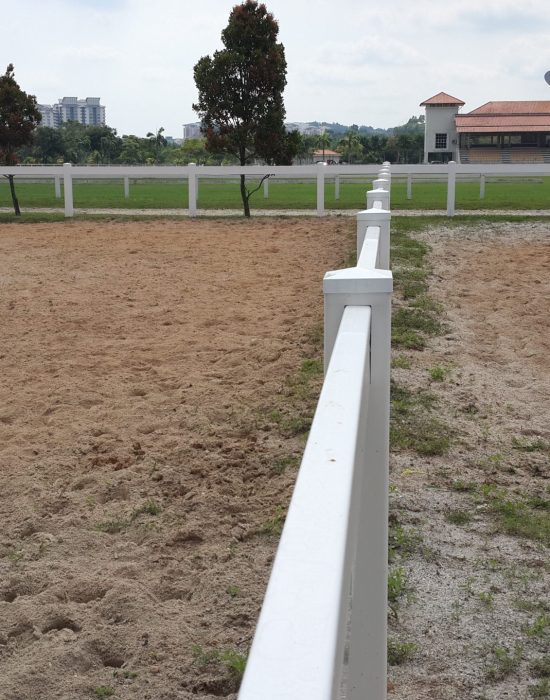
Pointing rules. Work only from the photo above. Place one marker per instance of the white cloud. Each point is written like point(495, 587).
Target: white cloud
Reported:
point(347, 61)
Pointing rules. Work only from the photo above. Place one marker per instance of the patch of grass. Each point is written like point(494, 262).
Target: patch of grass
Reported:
point(487, 599)
point(458, 517)
point(399, 652)
point(112, 527)
point(232, 660)
point(274, 526)
point(103, 691)
point(523, 517)
point(439, 374)
point(412, 425)
point(540, 626)
point(540, 668)
point(540, 689)
point(397, 588)
point(116, 525)
point(463, 486)
point(233, 591)
point(401, 362)
point(525, 445)
point(402, 541)
point(281, 464)
point(502, 661)
point(149, 508)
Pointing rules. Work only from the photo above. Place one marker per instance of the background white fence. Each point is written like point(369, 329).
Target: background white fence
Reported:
point(322, 631)
point(321, 173)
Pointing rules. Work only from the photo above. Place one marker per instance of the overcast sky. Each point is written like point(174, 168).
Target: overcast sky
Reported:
point(351, 61)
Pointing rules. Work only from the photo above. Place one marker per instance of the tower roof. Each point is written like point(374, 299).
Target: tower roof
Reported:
point(442, 98)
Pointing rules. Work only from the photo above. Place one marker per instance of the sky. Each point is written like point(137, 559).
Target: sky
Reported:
point(349, 61)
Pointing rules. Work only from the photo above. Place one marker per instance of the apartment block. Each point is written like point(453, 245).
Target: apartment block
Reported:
point(88, 111)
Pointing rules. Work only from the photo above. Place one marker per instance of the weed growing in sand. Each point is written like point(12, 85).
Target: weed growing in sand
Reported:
point(412, 327)
point(501, 660)
point(412, 425)
point(397, 588)
point(116, 525)
point(540, 626)
point(232, 591)
point(399, 652)
point(439, 374)
point(149, 508)
point(540, 668)
point(274, 526)
point(527, 517)
point(232, 660)
point(524, 445)
point(401, 362)
point(402, 542)
point(103, 691)
point(283, 463)
point(458, 517)
point(540, 689)
point(463, 486)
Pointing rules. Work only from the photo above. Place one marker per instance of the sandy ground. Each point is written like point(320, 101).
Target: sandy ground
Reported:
point(139, 366)
point(476, 593)
point(139, 465)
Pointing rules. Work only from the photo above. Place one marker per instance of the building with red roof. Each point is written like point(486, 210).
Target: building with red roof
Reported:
point(496, 132)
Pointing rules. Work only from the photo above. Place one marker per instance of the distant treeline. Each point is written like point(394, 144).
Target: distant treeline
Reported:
point(100, 145)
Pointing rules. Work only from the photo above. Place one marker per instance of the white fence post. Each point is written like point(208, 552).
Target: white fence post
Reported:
point(57, 186)
point(375, 217)
point(367, 655)
point(321, 167)
point(192, 188)
point(451, 187)
point(68, 189)
point(337, 187)
point(409, 186)
point(126, 187)
point(482, 186)
point(266, 188)
point(378, 195)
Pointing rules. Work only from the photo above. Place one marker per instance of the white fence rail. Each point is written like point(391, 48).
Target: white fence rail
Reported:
point(320, 172)
point(327, 596)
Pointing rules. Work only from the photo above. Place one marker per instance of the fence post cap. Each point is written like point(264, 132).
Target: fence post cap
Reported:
point(357, 280)
point(374, 213)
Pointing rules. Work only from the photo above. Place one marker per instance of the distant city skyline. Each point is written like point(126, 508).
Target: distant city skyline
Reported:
point(348, 62)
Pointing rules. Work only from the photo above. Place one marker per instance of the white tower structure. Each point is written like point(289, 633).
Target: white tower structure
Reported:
point(440, 136)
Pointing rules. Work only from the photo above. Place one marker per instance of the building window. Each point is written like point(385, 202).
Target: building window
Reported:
point(441, 140)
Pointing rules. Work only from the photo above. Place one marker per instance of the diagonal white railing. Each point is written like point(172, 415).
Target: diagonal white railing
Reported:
point(321, 634)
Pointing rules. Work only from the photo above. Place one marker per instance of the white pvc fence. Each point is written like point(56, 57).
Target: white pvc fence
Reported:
point(322, 633)
point(321, 173)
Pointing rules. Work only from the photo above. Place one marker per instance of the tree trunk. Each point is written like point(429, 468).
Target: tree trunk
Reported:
point(14, 196)
point(244, 195)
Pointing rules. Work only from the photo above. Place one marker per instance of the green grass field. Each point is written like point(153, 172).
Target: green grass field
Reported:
point(145, 194)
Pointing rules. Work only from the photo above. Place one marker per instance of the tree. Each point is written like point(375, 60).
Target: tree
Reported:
point(19, 116)
point(47, 145)
point(240, 90)
point(157, 141)
point(351, 144)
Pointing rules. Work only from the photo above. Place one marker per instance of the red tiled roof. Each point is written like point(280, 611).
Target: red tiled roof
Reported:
point(530, 107)
point(442, 98)
point(506, 117)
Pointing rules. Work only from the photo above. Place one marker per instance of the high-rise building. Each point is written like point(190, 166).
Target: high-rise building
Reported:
point(70, 109)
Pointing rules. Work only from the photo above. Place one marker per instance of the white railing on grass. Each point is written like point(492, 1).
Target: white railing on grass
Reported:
point(327, 595)
point(321, 173)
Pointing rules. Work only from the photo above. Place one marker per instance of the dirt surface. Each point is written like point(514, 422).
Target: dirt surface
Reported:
point(478, 608)
point(142, 472)
point(145, 467)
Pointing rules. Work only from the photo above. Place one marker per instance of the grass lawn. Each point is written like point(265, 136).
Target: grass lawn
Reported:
point(145, 194)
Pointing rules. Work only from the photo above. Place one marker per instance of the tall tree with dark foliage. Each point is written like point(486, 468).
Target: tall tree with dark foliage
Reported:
point(19, 116)
point(241, 93)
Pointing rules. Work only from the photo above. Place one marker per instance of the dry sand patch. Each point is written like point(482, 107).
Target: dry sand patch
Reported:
point(139, 363)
